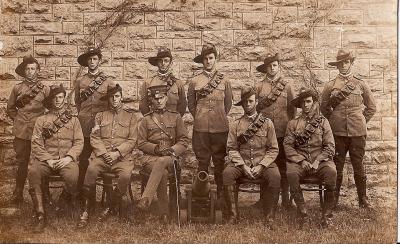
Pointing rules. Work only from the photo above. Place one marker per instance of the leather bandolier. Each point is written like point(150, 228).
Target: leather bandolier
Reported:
point(303, 137)
point(272, 96)
point(26, 98)
point(96, 83)
point(210, 86)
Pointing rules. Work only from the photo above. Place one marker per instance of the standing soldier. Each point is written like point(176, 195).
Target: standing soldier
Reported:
point(57, 142)
point(274, 95)
point(309, 148)
point(24, 106)
point(162, 137)
point(252, 149)
point(89, 88)
point(176, 92)
point(113, 138)
point(349, 104)
point(209, 101)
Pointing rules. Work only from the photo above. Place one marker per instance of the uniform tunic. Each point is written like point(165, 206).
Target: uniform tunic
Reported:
point(67, 141)
point(176, 95)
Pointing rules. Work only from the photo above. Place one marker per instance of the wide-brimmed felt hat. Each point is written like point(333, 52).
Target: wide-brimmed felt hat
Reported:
point(269, 59)
point(54, 91)
point(341, 56)
point(20, 70)
point(157, 91)
point(83, 58)
point(111, 90)
point(207, 49)
point(245, 93)
point(304, 93)
point(162, 53)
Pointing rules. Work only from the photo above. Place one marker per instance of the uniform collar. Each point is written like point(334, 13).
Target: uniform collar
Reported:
point(164, 77)
point(93, 75)
point(273, 80)
point(59, 111)
point(117, 109)
point(209, 74)
point(160, 111)
point(31, 82)
point(346, 76)
point(251, 117)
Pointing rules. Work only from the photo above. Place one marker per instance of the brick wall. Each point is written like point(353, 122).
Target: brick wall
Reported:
point(306, 32)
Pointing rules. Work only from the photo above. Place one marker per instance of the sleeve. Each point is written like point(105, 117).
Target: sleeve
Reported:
point(369, 102)
point(326, 109)
point(11, 108)
point(182, 102)
point(271, 146)
point(228, 97)
point(328, 143)
point(77, 96)
point(182, 139)
point(143, 143)
point(77, 144)
point(291, 110)
point(144, 101)
point(233, 146)
point(191, 98)
point(38, 149)
point(288, 144)
point(127, 147)
point(99, 148)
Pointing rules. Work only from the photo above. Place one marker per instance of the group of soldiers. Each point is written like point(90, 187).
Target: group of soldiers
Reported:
point(269, 141)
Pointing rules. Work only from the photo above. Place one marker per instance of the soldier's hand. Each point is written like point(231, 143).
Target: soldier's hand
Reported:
point(114, 155)
point(168, 152)
point(247, 171)
point(306, 165)
point(52, 162)
point(257, 170)
point(61, 163)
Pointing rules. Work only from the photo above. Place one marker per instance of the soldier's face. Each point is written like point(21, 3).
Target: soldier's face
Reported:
point(345, 66)
point(163, 64)
point(93, 62)
point(58, 100)
point(273, 68)
point(31, 71)
point(209, 61)
point(160, 102)
point(249, 105)
point(115, 100)
point(307, 105)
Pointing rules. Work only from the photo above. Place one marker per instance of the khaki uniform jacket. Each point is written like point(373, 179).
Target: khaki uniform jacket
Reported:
point(281, 111)
point(210, 113)
point(114, 130)
point(24, 118)
point(176, 96)
point(261, 149)
point(150, 135)
point(67, 141)
point(350, 117)
point(321, 145)
point(88, 109)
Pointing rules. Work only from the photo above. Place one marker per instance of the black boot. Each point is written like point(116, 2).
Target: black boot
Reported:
point(299, 200)
point(86, 205)
point(271, 201)
point(361, 185)
point(327, 213)
point(40, 218)
point(230, 203)
point(337, 192)
point(63, 201)
point(17, 196)
point(286, 203)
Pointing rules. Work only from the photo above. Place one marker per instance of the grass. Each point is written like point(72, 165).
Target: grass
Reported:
point(350, 225)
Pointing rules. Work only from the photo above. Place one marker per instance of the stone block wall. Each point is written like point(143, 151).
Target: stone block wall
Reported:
point(307, 33)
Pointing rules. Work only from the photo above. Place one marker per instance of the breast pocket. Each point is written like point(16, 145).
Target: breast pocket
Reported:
point(260, 138)
point(170, 128)
point(173, 96)
point(122, 129)
point(355, 98)
point(105, 129)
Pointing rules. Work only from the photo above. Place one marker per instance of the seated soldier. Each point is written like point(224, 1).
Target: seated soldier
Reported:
point(309, 148)
point(162, 137)
point(113, 138)
point(57, 142)
point(252, 149)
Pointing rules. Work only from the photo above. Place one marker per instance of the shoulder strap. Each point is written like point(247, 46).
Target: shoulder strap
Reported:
point(27, 97)
point(252, 129)
point(210, 86)
point(338, 96)
point(57, 124)
point(155, 120)
point(94, 85)
point(310, 128)
point(276, 91)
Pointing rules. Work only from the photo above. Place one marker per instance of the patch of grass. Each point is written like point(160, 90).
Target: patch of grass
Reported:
point(350, 225)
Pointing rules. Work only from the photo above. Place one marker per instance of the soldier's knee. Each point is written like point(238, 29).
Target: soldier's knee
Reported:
point(228, 176)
